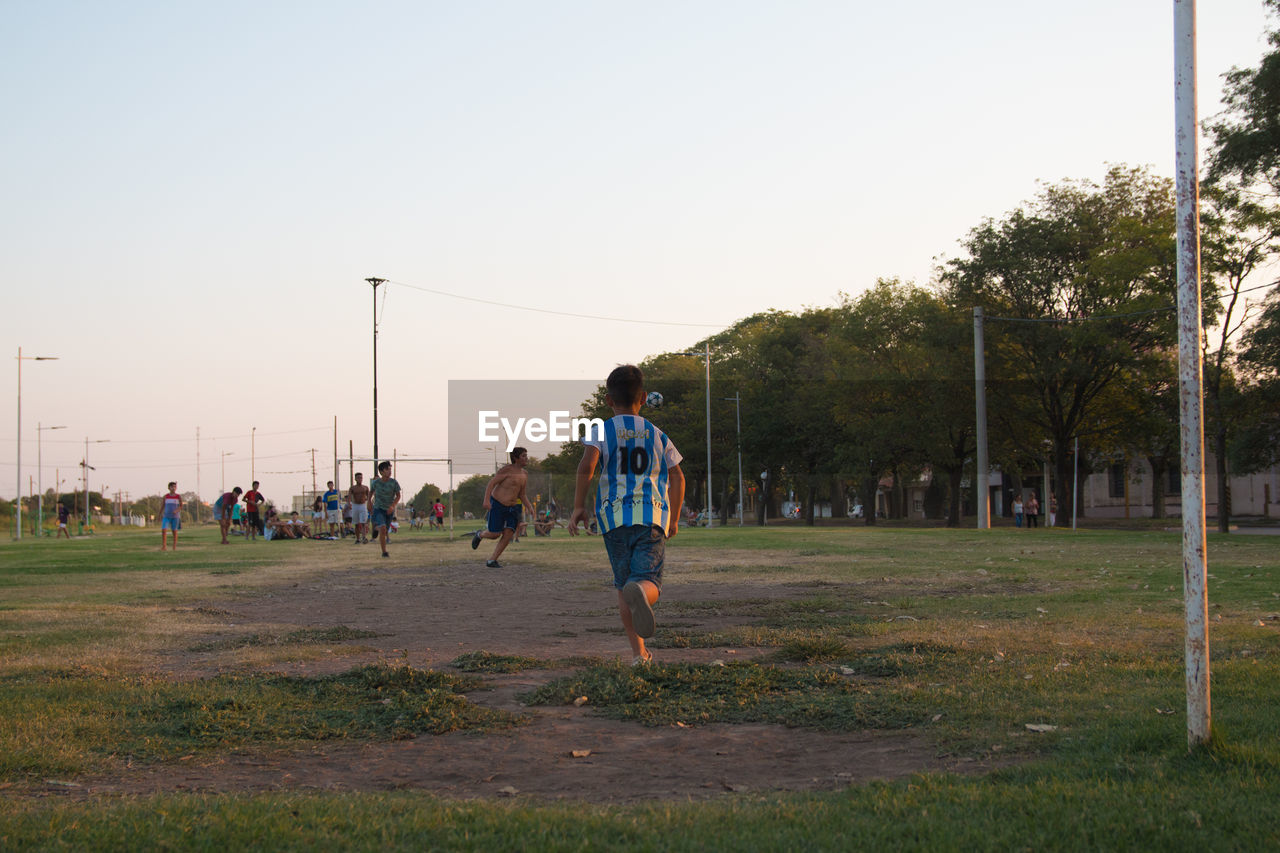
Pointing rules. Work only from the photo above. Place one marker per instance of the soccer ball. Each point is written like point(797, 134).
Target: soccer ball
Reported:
point(653, 400)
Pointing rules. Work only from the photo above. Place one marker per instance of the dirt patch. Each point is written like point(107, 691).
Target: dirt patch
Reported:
point(428, 616)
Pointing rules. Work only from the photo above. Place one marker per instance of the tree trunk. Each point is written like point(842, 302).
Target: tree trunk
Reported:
point(867, 493)
point(954, 477)
point(1159, 476)
point(1220, 467)
point(839, 507)
point(810, 500)
point(766, 493)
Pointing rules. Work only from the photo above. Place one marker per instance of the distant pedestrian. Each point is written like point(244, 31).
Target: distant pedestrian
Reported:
point(358, 494)
point(1053, 510)
point(385, 495)
point(317, 514)
point(171, 516)
point(438, 509)
point(1033, 511)
point(253, 517)
point(64, 515)
point(333, 508)
point(222, 510)
point(1017, 510)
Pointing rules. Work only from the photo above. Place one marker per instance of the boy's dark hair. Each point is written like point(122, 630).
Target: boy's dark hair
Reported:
point(237, 490)
point(625, 384)
point(384, 466)
point(171, 485)
point(516, 453)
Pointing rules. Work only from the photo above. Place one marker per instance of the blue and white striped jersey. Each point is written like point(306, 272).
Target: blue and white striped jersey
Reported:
point(635, 458)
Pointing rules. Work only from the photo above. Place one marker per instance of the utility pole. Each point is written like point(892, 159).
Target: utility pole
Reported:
point(375, 282)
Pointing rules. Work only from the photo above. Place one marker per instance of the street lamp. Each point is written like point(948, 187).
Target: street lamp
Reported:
point(253, 454)
point(19, 442)
point(737, 408)
point(85, 467)
point(707, 353)
point(375, 282)
point(40, 476)
point(225, 454)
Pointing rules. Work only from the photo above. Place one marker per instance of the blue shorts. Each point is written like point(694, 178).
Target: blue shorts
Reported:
point(502, 516)
point(636, 553)
point(381, 517)
point(174, 524)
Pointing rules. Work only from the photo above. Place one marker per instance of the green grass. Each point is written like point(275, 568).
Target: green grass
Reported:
point(152, 719)
point(964, 637)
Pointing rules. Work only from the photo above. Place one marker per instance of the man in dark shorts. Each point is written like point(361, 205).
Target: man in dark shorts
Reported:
point(504, 499)
point(253, 518)
point(64, 515)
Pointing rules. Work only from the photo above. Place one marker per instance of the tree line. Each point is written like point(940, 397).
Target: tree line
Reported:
point(1078, 287)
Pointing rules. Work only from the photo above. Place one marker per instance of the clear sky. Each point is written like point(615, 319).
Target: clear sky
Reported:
point(193, 194)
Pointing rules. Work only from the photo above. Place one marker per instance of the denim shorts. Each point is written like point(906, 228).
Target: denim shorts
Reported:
point(636, 553)
point(381, 517)
point(174, 524)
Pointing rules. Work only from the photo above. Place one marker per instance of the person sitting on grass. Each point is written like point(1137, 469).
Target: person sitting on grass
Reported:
point(638, 502)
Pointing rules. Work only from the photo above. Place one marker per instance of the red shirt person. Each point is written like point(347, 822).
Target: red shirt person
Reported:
point(253, 518)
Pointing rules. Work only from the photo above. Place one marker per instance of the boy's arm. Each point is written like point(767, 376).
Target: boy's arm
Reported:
point(675, 499)
point(524, 496)
point(582, 480)
point(488, 490)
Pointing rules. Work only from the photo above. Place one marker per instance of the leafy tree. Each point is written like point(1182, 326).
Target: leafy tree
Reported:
point(1246, 136)
point(1257, 441)
point(426, 496)
point(1240, 234)
point(1077, 286)
point(469, 494)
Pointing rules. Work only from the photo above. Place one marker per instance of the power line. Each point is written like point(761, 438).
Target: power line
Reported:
point(1128, 314)
point(557, 313)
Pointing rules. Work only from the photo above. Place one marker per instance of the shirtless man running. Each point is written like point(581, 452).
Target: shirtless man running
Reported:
point(504, 498)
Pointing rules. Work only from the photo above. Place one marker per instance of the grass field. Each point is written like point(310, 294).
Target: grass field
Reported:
point(1056, 655)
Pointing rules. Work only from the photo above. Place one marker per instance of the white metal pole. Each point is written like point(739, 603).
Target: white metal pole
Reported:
point(710, 520)
point(18, 491)
point(737, 411)
point(982, 494)
point(1190, 379)
point(1075, 480)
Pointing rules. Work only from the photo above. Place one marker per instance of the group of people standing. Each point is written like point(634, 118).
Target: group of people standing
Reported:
point(1031, 510)
point(375, 502)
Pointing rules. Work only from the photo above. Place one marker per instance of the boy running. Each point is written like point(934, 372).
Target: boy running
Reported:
point(638, 502)
point(504, 500)
point(171, 516)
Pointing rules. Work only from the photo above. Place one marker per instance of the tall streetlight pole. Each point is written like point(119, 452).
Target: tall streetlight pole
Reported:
point(253, 454)
point(40, 477)
point(375, 282)
point(86, 468)
point(737, 409)
point(225, 454)
point(19, 442)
